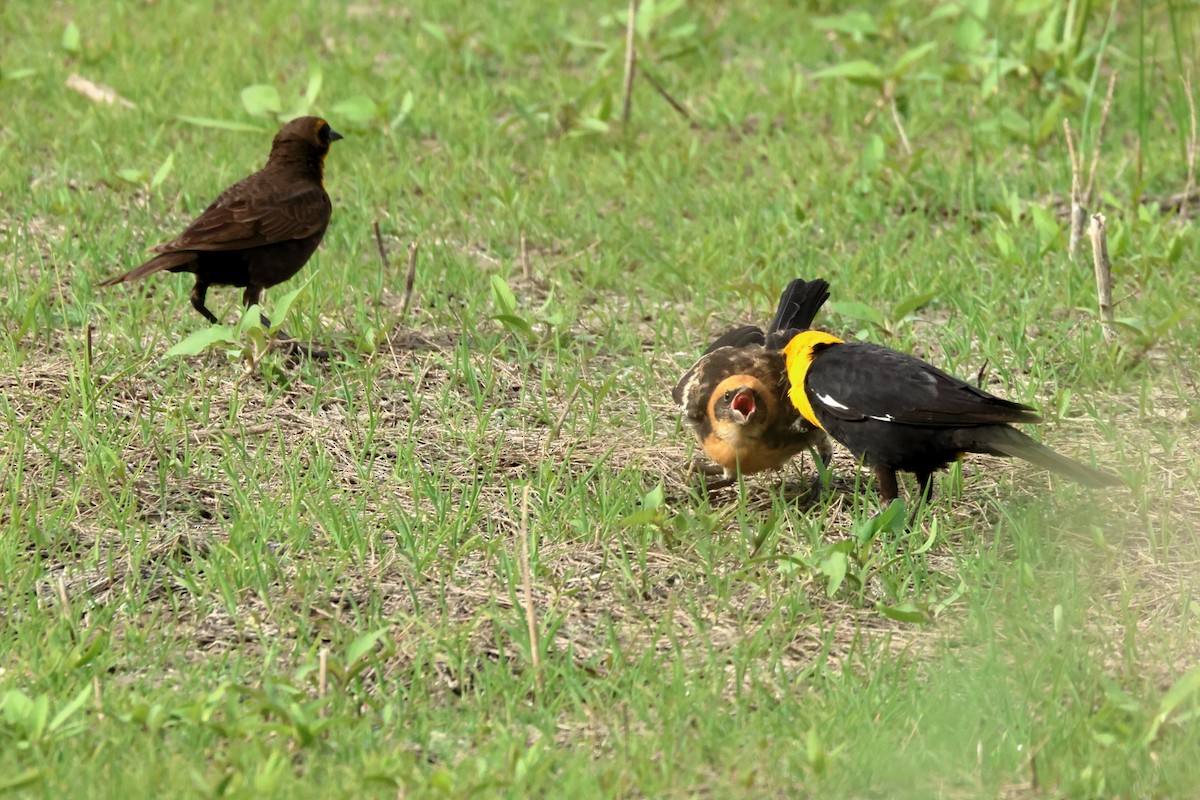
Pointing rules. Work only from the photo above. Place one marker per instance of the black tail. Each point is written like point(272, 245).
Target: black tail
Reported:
point(1002, 440)
point(798, 307)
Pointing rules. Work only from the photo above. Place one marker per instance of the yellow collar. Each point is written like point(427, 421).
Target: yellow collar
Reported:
point(799, 355)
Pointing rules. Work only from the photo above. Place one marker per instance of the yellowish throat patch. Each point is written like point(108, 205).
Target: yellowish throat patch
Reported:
point(799, 355)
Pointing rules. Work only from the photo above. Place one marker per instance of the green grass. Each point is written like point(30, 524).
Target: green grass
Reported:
point(306, 581)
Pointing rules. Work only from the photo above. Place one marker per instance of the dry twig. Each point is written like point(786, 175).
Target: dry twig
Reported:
point(665, 95)
point(1091, 184)
point(1190, 186)
point(1099, 235)
point(1078, 212)
point(526, 267)
point(535, 654)
point(409, 279)
point(630, 61)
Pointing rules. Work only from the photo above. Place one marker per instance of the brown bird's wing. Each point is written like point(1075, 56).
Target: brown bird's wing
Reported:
point(858, 381)
point(254, 212)
point(744, 336)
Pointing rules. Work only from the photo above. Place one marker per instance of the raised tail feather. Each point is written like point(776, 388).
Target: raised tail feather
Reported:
point(798, 306)
point(1005, 441)
point(156, 264)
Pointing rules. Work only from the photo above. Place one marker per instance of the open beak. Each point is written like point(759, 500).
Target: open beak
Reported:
point(742, 406)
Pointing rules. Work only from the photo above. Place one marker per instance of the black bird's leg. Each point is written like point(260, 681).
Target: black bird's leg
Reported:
point(925, 481)
point(199, 292)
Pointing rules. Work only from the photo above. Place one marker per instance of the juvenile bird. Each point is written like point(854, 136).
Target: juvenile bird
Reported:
point(896, 412)
point(736, 395)
point(261, 230)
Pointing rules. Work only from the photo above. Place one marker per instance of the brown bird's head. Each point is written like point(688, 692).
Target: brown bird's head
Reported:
point(740, 400)
point(304, 140)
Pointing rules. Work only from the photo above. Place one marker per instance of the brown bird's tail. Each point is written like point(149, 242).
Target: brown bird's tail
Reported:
point(1001, 440)
point(156, 264)
point(798, 305)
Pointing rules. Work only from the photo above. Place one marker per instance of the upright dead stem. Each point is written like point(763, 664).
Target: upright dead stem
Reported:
point(1078, 212)
point(1108, 98)
point(664, 94)
point(526, 266)
point(409, 279)
point(535, 650)
point(1190, 186)
point(383, 259)
point(1099, 234)
point(630, 61)
point(899, 125)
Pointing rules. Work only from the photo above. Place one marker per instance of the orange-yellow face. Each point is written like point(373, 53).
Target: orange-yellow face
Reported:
point(739, 408)
point(799, 356)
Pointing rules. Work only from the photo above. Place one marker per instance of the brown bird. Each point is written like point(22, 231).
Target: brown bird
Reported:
point(261, 230)
point(736, 395)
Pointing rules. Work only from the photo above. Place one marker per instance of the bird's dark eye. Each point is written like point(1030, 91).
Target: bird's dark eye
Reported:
point(729, 395)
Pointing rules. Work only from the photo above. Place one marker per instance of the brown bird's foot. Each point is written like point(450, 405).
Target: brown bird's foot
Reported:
point(295, 348)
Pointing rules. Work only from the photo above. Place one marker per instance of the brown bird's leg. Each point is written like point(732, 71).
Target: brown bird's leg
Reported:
point(888, 490)
point(252, 295)
point(199, 293)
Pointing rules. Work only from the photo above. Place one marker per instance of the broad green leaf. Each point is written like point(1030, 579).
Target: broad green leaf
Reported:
point(906, 61)
point(1177, 695)
point(251, 318)
point(359, 109)
point(834, 568)
point(861, 71)
point(223, 124)
point(506, 301)
point(68, 711)
point(856, 23)
point(406, 107)
point(261, 99)
point(873, 154)
point(594, 125)
point(910, 304)
point(516, 324)
point(72, 40)
point(363, 645)
point(853, 309)
point(645, 516)
point(655, 497)
point(162, 172)
point(203, 339)
point(20, 780)
point(284, 305)
point(130, 175)
point(908, 611)
point(315, 80)
point(435, 30)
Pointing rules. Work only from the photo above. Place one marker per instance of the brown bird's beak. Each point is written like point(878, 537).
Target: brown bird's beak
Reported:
point(742, 406)
point(334, 136)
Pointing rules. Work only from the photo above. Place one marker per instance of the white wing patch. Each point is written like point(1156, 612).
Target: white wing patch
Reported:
point(829, 401)
point(884, 418)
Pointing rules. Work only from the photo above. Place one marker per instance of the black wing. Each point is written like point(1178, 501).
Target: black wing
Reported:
point(857, 381)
